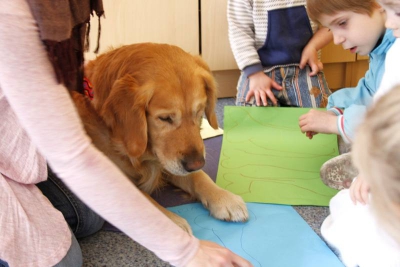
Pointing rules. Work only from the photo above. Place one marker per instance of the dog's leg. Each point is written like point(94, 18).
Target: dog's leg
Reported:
point(178, 220)
point(221, 203)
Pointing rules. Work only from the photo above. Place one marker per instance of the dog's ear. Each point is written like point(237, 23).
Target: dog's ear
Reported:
point(211, 91)
point(124, 112)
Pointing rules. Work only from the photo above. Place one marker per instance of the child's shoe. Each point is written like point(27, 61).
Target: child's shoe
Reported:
point(338, 172)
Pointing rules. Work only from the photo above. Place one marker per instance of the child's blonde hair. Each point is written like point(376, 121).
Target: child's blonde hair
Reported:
point(376, 153)
point(316, 8)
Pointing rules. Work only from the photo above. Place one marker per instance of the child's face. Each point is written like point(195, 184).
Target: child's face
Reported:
point(356, 32)
point(392, 8)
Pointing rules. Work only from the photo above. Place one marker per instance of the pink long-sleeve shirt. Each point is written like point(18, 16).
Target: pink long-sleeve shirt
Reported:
point(37, 122)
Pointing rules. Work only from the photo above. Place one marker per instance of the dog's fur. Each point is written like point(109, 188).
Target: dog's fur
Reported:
point(149, 100)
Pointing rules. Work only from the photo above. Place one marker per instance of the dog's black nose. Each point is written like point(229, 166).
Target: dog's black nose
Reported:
point(191, 164)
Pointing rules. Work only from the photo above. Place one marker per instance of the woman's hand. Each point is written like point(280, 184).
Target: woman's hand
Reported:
point(213, 255)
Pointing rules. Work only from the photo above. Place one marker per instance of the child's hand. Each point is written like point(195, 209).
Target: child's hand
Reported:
point(260, 87)
point(316, 121)
point(310, 56)
point(359, 190)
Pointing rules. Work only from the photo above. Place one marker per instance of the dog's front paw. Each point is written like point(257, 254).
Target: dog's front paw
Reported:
point(227, 206)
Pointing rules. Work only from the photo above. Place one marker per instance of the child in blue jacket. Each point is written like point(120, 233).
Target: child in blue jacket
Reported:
point(358, 26)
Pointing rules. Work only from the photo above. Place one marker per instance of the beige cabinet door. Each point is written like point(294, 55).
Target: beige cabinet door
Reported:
point(335, 53)
point(215, 47)
point(134, 21)
point(342, 68)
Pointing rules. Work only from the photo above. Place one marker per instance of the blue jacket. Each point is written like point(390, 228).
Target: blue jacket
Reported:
point(351, 104)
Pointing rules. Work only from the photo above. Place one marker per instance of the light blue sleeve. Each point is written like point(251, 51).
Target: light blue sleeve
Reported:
point(360, 95)
point(354, 101)
point(350, 120)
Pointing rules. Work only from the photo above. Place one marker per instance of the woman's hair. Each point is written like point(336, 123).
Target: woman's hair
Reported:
point(316, 8)
point(376, 153)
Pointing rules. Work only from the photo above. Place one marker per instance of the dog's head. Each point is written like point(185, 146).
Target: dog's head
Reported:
point(153, 97)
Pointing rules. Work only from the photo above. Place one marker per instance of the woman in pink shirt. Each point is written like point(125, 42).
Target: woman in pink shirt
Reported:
point(41, 56)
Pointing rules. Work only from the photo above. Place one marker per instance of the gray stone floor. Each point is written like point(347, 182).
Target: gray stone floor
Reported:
point(110, 248)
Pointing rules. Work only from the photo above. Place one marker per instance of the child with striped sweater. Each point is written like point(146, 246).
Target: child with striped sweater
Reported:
point(276, 48)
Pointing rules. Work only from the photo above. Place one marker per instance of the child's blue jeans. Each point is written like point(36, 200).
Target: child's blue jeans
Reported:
point(299, 89)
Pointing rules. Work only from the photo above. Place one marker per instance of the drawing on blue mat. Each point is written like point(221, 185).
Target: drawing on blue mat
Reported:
point(237, 235)
point(275, 236)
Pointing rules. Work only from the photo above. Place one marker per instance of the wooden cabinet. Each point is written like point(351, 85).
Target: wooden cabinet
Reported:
point(215, 47)
point(174, 22)
point(200, 27)
point(161, 21)
point(342, 68)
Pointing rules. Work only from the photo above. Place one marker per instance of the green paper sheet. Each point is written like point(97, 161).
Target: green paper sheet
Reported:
point(265, 157)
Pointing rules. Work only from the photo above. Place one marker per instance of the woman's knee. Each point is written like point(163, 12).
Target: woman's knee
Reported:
point(82, 220)
point(73, 256)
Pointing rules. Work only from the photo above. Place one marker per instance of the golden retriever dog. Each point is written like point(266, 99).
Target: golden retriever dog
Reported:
point(149, 101)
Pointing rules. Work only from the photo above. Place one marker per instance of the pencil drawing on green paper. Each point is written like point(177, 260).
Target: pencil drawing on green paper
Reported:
point(265, 157)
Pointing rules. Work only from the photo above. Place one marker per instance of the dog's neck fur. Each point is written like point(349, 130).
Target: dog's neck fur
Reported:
point(149, 178)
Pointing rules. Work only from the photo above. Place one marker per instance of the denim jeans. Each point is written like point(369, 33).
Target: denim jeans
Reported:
point(80, 218)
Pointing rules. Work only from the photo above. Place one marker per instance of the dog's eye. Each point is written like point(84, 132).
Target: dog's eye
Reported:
point(166, 119)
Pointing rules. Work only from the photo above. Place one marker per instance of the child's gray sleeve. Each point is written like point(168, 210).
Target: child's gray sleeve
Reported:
point(241, 33)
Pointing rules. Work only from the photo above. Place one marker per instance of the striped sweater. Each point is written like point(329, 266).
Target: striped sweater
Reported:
point(262, 36)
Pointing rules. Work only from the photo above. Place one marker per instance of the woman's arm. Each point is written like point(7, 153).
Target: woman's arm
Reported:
point(46, 111)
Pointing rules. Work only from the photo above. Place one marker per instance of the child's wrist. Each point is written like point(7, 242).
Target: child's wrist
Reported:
point(336, 111)
point(310, 46)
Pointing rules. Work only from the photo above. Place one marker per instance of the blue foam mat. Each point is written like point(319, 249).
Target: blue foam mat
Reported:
point(275, 236)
